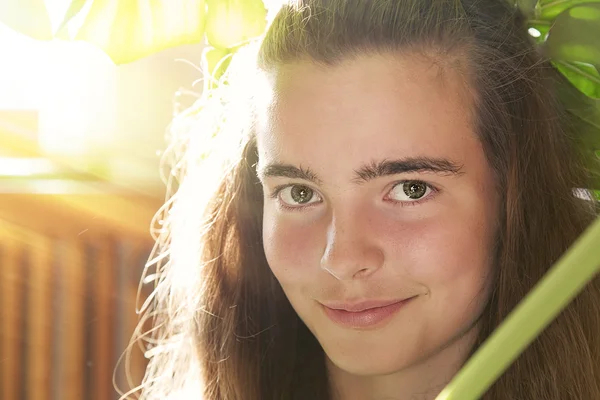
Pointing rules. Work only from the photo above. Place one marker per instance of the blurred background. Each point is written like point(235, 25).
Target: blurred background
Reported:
point(80, 144)
point(82, 130)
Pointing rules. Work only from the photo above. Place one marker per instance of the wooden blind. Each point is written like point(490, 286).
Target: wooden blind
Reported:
point(67, 309)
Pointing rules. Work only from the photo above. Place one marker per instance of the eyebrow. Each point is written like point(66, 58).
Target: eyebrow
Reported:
point(368, 172)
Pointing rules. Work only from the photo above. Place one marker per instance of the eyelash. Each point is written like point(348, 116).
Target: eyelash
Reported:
point(434, 190)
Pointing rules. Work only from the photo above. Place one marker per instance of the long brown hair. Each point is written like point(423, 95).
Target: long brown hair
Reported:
point(225, 327)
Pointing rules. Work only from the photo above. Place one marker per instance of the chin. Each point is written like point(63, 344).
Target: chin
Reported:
point(368, 362)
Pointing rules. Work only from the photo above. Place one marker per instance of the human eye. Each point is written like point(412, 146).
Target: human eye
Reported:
point(295, 197)
point(411, 192)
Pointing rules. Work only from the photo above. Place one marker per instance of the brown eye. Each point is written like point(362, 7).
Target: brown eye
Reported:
point(414, 189)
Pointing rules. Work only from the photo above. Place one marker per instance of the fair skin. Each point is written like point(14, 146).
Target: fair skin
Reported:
point(348, 238)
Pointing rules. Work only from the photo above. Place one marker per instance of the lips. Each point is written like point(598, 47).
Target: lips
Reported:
point(361, 305)
point(365, 314)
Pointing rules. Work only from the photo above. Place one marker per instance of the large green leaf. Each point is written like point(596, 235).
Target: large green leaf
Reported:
point(574, 35)
point(550, 9)
point(584, 114)
point(29, 17)
point(583, 76)
point(232, 22)
point(129, 30)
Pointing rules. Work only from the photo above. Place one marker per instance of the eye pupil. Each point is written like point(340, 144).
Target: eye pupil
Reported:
point(301, 194)
point(414, 189)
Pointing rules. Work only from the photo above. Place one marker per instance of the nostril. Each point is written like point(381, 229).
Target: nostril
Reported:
point(361, 273)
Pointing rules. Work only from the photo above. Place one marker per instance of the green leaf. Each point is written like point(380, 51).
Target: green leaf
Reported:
point(584, 117)
point(29, 17)
point(583, 76)
point(232, 22)
point(550, 9)
point(565, 280)
point(130, 30)
point(574, 35)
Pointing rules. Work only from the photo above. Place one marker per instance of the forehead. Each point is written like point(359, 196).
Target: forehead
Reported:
point(366, 108)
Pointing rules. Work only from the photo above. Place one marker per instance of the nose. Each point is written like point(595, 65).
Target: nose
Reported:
point(350, 253)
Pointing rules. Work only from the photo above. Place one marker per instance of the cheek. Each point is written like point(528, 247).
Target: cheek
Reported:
point(449, 253)
point(457, 272)
point(449, 258)
point(291, 249)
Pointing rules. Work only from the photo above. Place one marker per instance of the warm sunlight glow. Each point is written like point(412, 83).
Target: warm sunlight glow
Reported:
point(56, 11)
point(78, 107)
point(19, 71)
point(13, 167)
point(72, 85)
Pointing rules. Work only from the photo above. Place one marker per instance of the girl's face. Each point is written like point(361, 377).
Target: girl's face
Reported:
point(377, 190)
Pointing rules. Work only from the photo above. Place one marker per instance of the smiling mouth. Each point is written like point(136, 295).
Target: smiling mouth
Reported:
point(358, 306)
point(364, 315)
